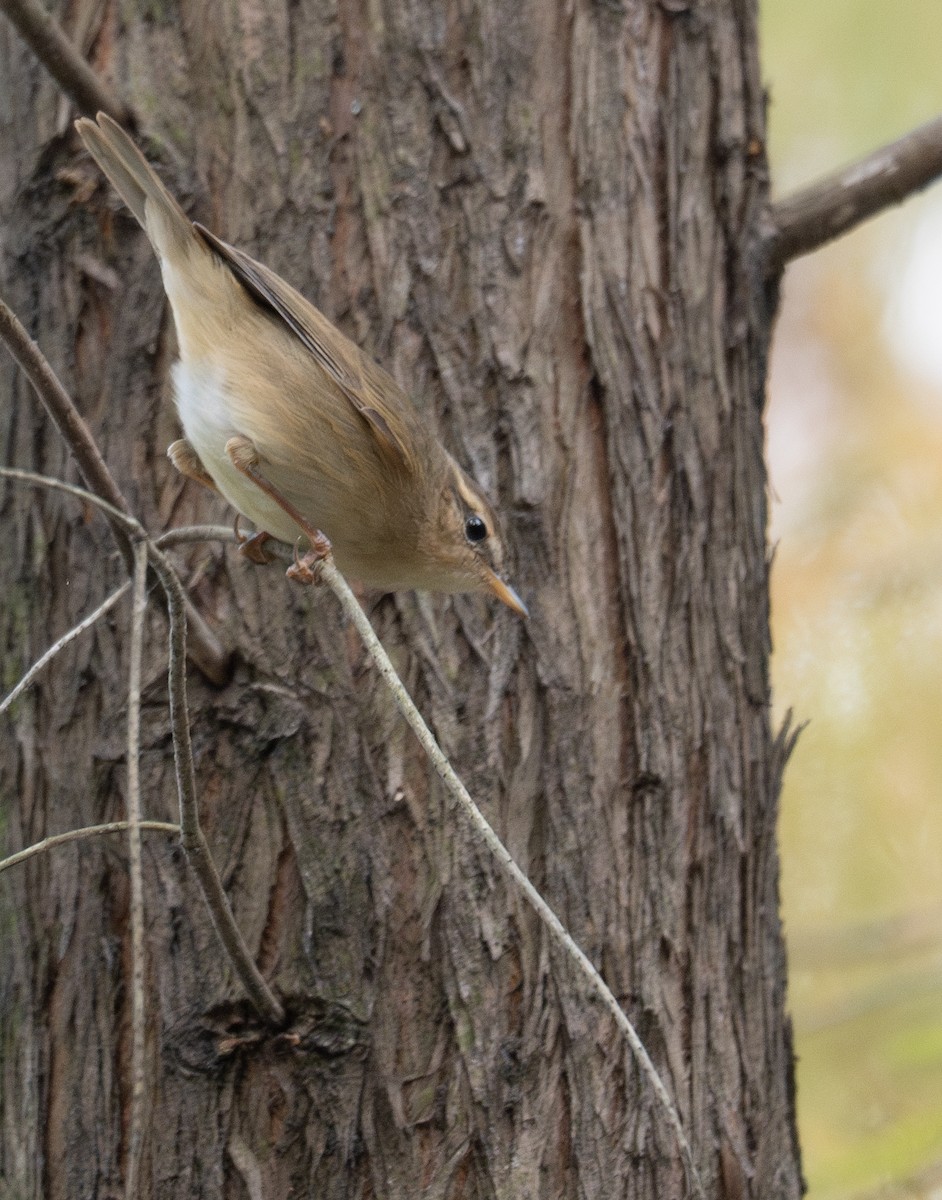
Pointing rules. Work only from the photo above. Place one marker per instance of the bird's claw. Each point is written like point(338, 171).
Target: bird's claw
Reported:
point(253, 548)
point(306, 568)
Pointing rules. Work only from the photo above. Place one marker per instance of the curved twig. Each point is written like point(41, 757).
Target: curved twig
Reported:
point(81, 835)
point(185, 534)
point(45, 659)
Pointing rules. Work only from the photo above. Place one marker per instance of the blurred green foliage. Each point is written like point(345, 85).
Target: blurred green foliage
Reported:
point(845, 76)
point(855, 447)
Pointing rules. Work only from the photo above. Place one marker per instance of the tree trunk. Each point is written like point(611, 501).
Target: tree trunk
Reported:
point(544, 218)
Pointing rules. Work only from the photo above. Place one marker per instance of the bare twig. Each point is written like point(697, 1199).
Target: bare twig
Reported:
point(185, 534)
point(58, 403)
point(54, 649)
point(517, 878)
point(204, 647)
point(194, 843)
point(81, 835)
point(125, 521)
point(191, 835)
point(182, 535)
point(48, 41)
point(823, 211)
point(136, 872)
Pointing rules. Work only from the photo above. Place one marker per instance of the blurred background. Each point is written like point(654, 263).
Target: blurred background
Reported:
point(855, 451)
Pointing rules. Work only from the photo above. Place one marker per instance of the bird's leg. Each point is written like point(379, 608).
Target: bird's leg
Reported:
point(244, 458)
point(188, 463)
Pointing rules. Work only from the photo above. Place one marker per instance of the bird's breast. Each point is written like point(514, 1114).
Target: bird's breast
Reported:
point(204, 402)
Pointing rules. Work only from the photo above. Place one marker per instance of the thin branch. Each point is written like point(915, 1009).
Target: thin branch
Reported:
point(58, 403)
point(80, 835)
point(54, 649)
point(184, 534)
point(136, 872)
point(204, 647)
point(58, 54)
point(173, 537)
point(823, 211)
point(516, 876)
point(126, 523)
point(194, 843)
point(191, 834)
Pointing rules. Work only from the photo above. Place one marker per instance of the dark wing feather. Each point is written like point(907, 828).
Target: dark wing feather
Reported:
point(316, 333)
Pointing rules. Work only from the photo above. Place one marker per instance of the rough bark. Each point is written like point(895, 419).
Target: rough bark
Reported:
point(546, 219)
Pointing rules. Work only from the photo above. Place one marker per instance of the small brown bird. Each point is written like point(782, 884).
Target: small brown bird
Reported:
point(293, 423)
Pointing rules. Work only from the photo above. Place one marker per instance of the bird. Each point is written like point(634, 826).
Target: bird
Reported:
point(302, 432)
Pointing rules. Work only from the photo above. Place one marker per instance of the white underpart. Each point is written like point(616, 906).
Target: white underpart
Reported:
point(203, 403)
point(205, 396)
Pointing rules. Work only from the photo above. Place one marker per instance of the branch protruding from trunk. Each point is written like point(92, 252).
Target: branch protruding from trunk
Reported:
point(839, 202)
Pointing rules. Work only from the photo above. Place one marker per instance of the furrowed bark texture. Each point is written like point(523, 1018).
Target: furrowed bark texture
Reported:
point(545, 219)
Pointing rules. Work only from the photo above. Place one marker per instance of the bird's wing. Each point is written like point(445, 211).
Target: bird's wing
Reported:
point(340, 359)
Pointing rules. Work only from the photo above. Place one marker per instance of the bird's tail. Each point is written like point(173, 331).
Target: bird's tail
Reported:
point(166, 224)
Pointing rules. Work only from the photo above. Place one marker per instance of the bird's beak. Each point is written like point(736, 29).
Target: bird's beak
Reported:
point(505, 593)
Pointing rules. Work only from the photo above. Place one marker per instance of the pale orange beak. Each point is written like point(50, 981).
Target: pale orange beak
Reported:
point(505, 593)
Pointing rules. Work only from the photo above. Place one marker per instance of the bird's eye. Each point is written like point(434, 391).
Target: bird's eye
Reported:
point(474, 529)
